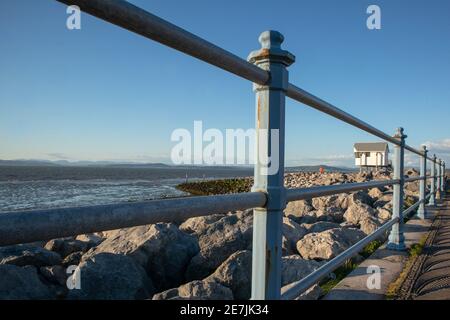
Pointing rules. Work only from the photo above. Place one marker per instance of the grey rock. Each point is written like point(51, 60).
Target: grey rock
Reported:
point(320, 226)
point(375, 193)
point(198, 225)
point(161, 249)
point(357, 212)
point(383, 200)
point(54, 274)
point(235, 273)
point(369, 225)
point(66, 246)
point(91, 239)
point(328, 244)
point(72, 259)
point(22, 283)
point(223, 237)
point(295, 268)
point(25, 254)
point(297, 209)
point(197, 290)
point(107, 276)
point(331, 214)
point(292, 232)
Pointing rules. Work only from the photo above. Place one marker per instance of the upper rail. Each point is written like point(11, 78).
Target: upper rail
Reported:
point(137, 20)
point(37, 225)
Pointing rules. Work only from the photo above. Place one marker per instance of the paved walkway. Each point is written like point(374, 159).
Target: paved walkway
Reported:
point(429, 278)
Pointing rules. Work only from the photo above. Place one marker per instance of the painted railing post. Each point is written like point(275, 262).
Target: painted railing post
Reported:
point(438, 179)
point(396, 237)
point(441, 179)
point(444, 178)
point(421, 213)
point(269, 165)
point(432, 201)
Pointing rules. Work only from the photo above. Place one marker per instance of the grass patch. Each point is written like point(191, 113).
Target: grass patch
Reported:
point(350, 265)
point(413, 252)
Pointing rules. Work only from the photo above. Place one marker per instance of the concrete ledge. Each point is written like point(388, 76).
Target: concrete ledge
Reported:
point(391, 263)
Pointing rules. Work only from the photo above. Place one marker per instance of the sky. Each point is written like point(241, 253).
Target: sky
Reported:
point(104, 93)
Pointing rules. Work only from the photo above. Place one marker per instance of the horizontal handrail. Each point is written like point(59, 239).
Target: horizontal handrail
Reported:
point(412, 179)
point(412, 208)
point(413, 150)
point(293, 290)
point(137, 20)
point(36, 225)
point(307, 98)
point(320, 191)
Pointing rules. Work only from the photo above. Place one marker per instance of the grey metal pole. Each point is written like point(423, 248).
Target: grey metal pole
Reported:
point(421, 213)
point(396, 237)
point(444, 178)
point(269, 165)
point(438, 179)
point(432, 201)
point(441, 184)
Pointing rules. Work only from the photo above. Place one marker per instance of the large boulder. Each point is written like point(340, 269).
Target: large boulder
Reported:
point(222, 238)
point(369, 225)
point(91, 239)
point(383, 200)
point(359, 197)
point(384, 214)
point(235, 273)
point(357, 212)
point(292, 232)
point(320, 226)
point(26, 254)
point(197, 290)
point(198, 225)
point(331, 214)
point(298, 209)
point(107, 276)
point(375, 193)
point(54, 274)
point(66, 246)
point(334, 201)
point(328, 244)
point(161, 249)
point(22, 283)
point(295, 268)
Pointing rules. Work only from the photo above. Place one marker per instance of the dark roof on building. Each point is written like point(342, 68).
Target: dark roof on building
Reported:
point(371, 146)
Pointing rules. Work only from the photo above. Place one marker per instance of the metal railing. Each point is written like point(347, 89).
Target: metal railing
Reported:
point(267, 69)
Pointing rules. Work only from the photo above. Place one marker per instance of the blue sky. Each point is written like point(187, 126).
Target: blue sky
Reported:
point(103, 93)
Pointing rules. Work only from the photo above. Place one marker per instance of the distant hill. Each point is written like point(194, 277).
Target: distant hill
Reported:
point(28, 163)
point(111, 164)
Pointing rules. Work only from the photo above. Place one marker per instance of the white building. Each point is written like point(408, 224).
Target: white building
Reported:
point(371, 154)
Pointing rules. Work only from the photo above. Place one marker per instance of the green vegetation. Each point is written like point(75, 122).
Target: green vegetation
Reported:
point(212, 187)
